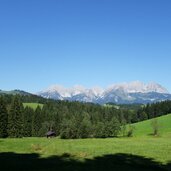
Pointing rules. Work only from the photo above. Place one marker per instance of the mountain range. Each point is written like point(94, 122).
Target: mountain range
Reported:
point(121, 93)
point(15, 92)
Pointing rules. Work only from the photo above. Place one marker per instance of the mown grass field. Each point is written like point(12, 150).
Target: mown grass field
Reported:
point(158, 148)
point(33, 105)
point(143, 152)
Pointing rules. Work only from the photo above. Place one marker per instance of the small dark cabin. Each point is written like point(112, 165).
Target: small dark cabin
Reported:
point(50, 134)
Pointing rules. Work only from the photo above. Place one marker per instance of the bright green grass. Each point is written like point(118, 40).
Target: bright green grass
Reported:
point(145, 128)
point(158, 148)
point(33, 105)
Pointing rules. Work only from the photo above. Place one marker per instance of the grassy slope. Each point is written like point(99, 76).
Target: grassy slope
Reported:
point(145, 128)
point(33, 105)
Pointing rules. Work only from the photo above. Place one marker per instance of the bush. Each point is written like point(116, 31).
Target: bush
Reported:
point(155, 127)
point(130, 131)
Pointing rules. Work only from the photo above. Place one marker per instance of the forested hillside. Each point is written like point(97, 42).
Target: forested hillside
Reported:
point(69, 119)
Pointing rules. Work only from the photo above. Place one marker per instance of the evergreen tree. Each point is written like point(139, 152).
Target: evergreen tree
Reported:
point(36, 122)
point(68, 129)
point(84, 127)
point(123, 127)
point(3, 119)
point(57, 124)
point(112, 128)
point(15, 118)
point(28, 115)
point(143, 116)
point(99, 130)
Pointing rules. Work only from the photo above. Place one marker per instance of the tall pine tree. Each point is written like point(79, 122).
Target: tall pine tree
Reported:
point(28, 115)
point(3, 119)
point(15, 118)
point(36, 122)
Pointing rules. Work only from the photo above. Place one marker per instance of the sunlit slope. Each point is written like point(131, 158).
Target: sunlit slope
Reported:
point(145, 127)
point(33, 105)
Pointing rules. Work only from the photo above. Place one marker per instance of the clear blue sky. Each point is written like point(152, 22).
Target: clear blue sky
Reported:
point(85, 42)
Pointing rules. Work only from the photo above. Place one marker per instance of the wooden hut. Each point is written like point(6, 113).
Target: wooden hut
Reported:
point(50, 134)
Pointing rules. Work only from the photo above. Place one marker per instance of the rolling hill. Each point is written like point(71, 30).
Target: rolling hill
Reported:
point(144, 128)
point(15, 92)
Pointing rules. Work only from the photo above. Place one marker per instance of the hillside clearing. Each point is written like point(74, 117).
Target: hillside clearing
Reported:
point(33, 105)
point(144, 128)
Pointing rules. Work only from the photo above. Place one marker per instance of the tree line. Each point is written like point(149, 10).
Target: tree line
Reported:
point(69, 119)
point(153, 110)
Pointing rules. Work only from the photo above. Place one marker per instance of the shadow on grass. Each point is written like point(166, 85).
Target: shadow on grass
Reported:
point(116, 162)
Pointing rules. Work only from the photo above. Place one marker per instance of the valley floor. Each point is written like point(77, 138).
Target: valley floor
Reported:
point(136, 153)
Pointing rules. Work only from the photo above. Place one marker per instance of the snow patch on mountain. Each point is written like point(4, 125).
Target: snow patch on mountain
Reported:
point(131, 92)
point(139, 87)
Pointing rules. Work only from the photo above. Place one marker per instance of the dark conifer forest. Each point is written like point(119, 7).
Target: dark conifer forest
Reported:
point(70, 119)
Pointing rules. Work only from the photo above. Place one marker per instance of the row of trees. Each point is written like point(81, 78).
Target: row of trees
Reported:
point(70, 119)
point(17, 121)
point(67, 119)
point(154, 110)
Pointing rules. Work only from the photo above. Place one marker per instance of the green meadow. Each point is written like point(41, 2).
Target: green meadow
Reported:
point(33, 105)
point(144, 128)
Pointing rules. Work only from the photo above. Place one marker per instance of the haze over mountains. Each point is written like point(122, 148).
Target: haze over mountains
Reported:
point(132, 92)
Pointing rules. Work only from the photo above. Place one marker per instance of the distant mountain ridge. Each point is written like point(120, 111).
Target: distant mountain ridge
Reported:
point(124, 93)
point(132, 92)
point(15, 92)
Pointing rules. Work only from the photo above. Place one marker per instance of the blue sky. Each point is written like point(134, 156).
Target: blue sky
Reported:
point(84, 42)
